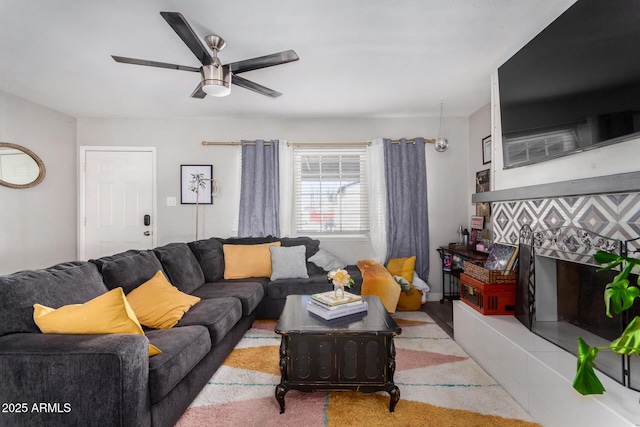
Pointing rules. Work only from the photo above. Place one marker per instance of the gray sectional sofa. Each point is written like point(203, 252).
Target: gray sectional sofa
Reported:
point(109, 380)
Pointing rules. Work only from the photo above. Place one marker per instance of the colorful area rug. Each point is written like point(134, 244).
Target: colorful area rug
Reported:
point(440, 385)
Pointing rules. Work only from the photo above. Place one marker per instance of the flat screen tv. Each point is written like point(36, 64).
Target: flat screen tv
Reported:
point(575, 86)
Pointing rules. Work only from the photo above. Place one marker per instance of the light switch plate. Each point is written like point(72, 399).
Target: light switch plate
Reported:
point(171, 201)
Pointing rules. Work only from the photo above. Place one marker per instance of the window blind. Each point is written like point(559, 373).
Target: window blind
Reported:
point(330, 190)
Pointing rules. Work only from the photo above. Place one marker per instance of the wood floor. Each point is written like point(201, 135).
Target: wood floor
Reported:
point(441, 313)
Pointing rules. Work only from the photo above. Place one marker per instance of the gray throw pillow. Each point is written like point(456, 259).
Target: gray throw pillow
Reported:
point(327, 261)
point(288, 262)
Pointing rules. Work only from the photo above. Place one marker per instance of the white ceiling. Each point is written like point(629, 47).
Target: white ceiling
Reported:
point(358, 58)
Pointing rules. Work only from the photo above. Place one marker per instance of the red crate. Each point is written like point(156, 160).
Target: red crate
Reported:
point(488, 298)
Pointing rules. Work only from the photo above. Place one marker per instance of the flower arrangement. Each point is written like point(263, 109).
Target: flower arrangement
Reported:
point(340, 278)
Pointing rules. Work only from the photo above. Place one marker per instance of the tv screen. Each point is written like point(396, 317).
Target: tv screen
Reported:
point(575, 86)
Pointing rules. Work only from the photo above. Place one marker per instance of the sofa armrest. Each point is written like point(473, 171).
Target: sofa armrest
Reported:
point(62, 380)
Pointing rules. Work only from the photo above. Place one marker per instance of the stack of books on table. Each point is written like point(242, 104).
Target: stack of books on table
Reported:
point(328, 306)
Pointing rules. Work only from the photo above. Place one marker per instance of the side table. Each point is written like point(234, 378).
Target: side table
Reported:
point(452, 268)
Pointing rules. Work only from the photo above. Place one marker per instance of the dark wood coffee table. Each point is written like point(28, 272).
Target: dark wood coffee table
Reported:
point(353, 353)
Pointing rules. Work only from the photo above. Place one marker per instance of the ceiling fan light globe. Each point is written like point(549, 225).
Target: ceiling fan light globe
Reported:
point(216, 89)
point(441, 144)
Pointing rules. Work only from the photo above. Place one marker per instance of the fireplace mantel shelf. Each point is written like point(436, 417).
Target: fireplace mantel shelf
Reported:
point(610, 184)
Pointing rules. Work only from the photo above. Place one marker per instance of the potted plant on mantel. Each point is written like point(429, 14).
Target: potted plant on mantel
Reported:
point(619, 295)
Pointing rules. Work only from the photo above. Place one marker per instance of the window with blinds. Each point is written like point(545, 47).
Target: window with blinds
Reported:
point(330, 190)
point(536, 147)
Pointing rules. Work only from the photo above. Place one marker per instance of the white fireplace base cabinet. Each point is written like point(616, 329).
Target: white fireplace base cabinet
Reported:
point(538, 374)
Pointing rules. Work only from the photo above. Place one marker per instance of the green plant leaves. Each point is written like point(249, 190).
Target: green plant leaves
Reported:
point(602, 257)
point(629, 341)
point(619, 295)
point(586, 381)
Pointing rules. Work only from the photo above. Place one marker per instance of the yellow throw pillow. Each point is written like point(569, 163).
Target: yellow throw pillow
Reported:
point(402, 267)
point(158, 304)
point(108, 313)
point(243, 261)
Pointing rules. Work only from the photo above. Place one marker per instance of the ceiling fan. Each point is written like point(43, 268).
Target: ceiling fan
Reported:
point(216, 78)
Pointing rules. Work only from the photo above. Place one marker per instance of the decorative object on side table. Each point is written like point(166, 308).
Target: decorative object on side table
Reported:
point(619, 295)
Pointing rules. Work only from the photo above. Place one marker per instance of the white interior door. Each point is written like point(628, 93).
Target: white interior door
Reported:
point(118, 202)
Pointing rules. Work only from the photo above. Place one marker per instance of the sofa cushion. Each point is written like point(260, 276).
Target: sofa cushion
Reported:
point(327, 261)
point(249, 240)
point(311, 245)
point(243, 261)
point(183, 348)
point(66, 283)
point(159, 304)
point(181, 266)
point(279, 289)
point(208, 253)
point(249, 293)
point(288, 262)
point(129, 269)
point(219, 315)
point(108, 313)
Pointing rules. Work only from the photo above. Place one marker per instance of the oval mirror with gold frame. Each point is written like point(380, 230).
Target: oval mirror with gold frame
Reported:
point(19, 166)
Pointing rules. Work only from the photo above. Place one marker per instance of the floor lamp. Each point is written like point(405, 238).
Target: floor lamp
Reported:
point(214, 190)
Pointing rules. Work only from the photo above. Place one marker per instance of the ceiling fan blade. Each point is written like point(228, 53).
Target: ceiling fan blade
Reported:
point(148, 63)
point(248, 84)
point(188, 36)
point(198, 92)
point(263, 61)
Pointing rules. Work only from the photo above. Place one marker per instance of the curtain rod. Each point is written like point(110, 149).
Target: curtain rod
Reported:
point(413, 141)
point(291, 144)
point(315, 144)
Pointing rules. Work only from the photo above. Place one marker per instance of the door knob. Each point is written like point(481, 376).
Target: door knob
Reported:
point(147, 233)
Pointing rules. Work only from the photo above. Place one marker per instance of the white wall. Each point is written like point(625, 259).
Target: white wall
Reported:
point(603, 161)
point(178, 141)
point(39, 223)
point(479, 128)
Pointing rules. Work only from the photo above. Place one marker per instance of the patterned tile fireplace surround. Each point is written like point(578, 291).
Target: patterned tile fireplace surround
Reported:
point(616, 216)
point(536, 372)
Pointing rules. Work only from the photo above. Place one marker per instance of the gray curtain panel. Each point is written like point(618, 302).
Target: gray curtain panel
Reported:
point(259, 190)
point(405, 174)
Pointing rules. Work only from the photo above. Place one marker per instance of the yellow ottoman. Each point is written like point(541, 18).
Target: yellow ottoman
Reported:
point(410, 300)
